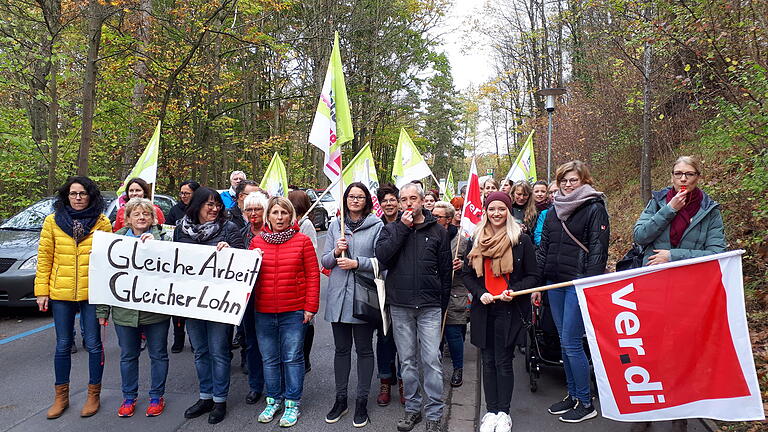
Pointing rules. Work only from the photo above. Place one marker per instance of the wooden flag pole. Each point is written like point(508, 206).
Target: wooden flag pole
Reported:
point(537, 289)
point(453, 274)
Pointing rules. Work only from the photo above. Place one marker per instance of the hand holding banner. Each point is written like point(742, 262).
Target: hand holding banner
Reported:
point(179, 279)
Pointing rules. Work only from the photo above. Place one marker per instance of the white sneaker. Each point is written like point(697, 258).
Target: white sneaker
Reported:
point(504, 423)
point(488, 422)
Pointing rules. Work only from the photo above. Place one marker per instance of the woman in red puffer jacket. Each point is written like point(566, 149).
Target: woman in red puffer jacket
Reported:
point(286, 297)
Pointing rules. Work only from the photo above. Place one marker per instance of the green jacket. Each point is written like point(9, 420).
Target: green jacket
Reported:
point(130, 317)
point(704, 236)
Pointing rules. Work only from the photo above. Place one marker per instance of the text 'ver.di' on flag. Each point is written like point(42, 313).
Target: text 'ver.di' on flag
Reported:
point(671, 341)
point(472, 211)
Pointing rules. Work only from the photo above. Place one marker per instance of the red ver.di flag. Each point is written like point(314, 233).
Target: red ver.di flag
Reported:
point(671, 341)
point(473, 205)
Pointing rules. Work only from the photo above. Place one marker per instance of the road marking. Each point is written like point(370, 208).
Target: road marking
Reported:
point(25, 334)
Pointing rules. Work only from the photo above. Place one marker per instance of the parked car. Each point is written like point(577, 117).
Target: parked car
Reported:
point(19, 238)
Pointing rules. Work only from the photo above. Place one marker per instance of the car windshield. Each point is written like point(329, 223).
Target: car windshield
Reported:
point(327, 198)
point(30, 218)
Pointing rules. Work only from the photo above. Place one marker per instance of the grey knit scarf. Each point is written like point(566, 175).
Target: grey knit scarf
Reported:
point(565, 205)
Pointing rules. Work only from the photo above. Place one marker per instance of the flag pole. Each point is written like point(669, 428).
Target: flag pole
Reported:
point(453, 274)
point(537, 289)
point(342, 228)
point(319, 198)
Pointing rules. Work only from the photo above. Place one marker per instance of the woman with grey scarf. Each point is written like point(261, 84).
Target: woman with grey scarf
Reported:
point(574, 244)
point(347, 257)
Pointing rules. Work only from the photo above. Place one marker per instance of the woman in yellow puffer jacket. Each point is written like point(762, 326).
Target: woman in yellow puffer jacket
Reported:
point(62, 283)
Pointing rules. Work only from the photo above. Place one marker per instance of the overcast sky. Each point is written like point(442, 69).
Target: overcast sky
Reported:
point(469, 66)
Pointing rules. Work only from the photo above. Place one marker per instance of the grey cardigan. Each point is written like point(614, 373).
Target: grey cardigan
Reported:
point(341, 286)
point(704, 235)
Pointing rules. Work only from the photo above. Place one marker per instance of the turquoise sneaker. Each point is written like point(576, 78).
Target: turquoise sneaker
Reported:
point(291, 414)
point(273, 407)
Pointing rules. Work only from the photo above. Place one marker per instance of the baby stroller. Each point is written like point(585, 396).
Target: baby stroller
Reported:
point(543, 343)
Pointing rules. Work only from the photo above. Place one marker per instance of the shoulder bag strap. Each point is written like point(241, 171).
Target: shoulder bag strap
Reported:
point(567, 231)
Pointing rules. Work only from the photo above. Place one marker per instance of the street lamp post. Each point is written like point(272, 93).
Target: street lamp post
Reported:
point(550, 95)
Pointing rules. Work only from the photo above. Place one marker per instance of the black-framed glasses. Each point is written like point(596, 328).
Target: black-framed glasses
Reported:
point(573, 181)
point(78, 194)
point(356, 197)
point(687, 174)
point(212, 205)
point(442, 217)
point(185, 193)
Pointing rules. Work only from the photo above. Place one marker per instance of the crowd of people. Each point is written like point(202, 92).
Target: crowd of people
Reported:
point(436, 280)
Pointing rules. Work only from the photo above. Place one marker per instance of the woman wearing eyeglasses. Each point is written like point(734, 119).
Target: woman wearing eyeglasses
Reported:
point(61, 283)
point(679, 222)
point(206, 223)
point(347, 258)
point(187, 188)
point(574, 244)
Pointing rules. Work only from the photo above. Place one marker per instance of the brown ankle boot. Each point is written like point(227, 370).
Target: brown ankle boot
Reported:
point(384, 392)
point(400, 389)
point(60, 401)
point(92, 403)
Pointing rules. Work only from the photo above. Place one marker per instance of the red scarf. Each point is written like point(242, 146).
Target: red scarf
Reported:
point(685, 215)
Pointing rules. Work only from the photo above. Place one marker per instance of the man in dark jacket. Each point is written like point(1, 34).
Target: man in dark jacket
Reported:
point(416, 252)
point(241, 191)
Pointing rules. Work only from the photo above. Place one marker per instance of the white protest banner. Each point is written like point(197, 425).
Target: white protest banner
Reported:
point(179, 279)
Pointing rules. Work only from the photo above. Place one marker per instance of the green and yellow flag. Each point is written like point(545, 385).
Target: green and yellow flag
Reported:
point(362, 169)
point(450, 186)
point(275, 180)
point(146, 166)
point(524, 167)
point(333, 122)
point(408, 165)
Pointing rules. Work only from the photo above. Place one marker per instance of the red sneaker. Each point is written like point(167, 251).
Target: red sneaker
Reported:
point(127, 408)
point(156, 407)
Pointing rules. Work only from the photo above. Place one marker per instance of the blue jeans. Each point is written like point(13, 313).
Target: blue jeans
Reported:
point(252, 353)
point(129, 339)
point(212, 345)
point(64, 321)
point(454, 335)
point(386, 355)
point(419, 329)
point(570, 327)
point(281, 342)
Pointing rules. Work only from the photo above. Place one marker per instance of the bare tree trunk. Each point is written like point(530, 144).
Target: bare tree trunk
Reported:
point(52, 13)
point(137, 98)
point(645, 160)
point(95, 19)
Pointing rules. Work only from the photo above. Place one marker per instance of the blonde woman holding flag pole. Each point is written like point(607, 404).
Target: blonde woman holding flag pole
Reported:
point(501, 260)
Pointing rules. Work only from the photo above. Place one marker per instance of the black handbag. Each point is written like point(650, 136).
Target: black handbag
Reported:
point(365, 300)
point(632, 259)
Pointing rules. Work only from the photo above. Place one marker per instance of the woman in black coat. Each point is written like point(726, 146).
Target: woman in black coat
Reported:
point(574, 245)
point(206, 223)
point(501, 259)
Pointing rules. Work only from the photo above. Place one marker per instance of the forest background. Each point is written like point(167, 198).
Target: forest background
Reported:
point(83, 82)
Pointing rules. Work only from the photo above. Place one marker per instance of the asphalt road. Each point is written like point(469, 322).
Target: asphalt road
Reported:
point(26, 389)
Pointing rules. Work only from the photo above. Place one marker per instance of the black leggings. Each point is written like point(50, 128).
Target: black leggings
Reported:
point(343, 334)
point(498, 372)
